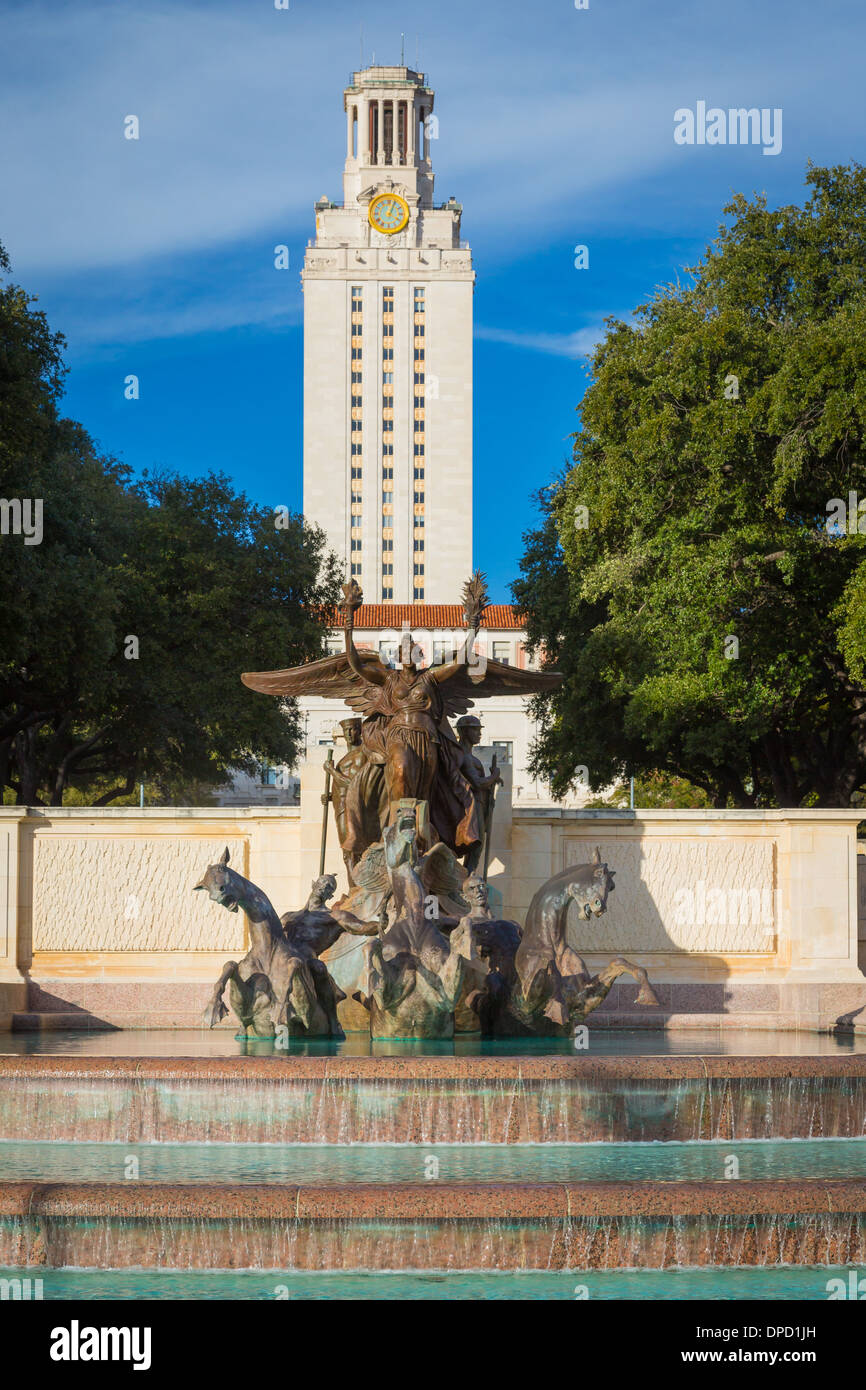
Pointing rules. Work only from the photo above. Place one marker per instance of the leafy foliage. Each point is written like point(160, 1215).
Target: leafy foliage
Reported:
point(205, 581)
point(710, 623)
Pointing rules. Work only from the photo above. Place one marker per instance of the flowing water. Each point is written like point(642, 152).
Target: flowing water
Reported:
point(430, 1111)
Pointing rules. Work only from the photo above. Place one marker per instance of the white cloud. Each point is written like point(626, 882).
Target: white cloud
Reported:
point(577, 344)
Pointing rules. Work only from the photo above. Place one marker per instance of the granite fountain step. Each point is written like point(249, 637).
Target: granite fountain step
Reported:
point(431, 1099)
point(585, 1225)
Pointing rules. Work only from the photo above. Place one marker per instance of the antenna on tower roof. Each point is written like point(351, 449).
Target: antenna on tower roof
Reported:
point(402, 47)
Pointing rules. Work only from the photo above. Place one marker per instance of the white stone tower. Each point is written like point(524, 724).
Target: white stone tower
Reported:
point(388, 288)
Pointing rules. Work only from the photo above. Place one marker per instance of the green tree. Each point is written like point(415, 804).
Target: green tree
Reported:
point(689, 576)
point(124, 629)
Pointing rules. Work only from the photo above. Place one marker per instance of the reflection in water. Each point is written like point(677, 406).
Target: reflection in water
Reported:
point(603, 1042)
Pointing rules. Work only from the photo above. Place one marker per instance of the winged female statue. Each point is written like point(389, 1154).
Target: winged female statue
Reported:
point(405, 712)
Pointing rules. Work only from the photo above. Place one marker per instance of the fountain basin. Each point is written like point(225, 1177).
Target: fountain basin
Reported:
point(301, 1164)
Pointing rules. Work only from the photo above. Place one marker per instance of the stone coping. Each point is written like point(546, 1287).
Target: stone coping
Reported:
point(85, 813)
point(698, 814)
point(420, 1068)
point(429, 1201)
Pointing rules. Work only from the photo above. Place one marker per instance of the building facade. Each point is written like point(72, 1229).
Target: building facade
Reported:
point(387, 288)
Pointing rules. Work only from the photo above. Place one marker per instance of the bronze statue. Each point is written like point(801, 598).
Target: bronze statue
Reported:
point(482, 784)
point(414, 972)
point(358, 796)
point(405, 729)
point(553, 989)
point(280, 980)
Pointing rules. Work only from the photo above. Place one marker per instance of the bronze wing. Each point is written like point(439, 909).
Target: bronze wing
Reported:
point(462, 689)
point(331, 677)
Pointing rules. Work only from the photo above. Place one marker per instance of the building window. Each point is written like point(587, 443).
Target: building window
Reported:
point(357, 378)
point(418, 448)
point(388, 650)
point(502, 652)
point(357, 471)
point(357, 448)
point(387, 354)
point(387, 450)
point(418, 378)
point(387, 426)
point(387, 596)
point(356, 544)
point(419, 569)
point(443, 652)
point(356, 567)
point(418, 497)
point(503, 750)
point(387, 569)
point(417, 545)
point(387, 378)
point(418, 595)
point(387, 544)
point(419, 354)
point(419, 474)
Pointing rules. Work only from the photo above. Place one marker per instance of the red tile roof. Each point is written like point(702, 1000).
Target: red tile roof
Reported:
point(498, 617)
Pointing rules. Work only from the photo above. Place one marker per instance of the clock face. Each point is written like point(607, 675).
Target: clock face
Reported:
point(389, 213)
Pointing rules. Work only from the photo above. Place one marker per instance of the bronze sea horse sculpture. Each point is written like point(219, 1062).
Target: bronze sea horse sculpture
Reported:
point(405, 716)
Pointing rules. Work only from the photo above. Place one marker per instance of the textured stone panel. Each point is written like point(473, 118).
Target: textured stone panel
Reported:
point(681, 895)
point(95, 893)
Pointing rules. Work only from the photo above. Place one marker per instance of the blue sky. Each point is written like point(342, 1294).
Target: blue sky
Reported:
point(556, 126)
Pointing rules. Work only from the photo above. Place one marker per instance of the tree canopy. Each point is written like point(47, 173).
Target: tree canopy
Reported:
point(699, 574)
point(124, 628)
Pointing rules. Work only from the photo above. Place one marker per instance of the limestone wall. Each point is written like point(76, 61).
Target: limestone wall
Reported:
point(747, 910)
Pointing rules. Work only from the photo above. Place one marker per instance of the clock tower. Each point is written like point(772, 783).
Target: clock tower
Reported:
point(388, 289)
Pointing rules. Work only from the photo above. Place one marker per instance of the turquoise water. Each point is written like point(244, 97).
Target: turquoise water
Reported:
point(602, 1042)
point(648, 1285)
point(384, 1163)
